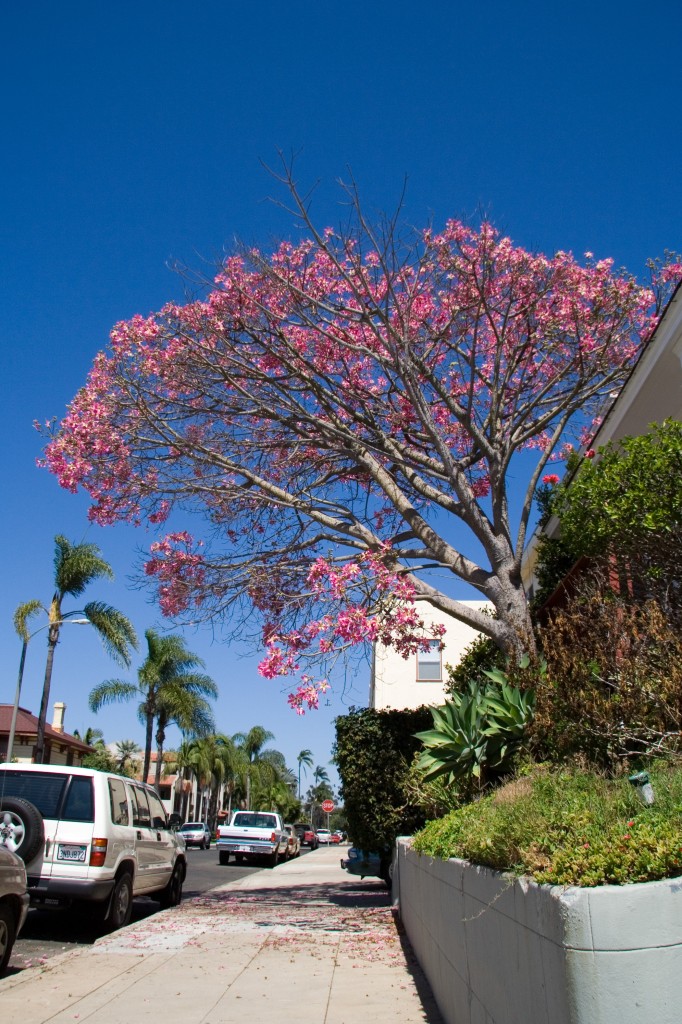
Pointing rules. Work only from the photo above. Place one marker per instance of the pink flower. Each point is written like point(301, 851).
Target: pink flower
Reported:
point(550, 478)
point(589, 454)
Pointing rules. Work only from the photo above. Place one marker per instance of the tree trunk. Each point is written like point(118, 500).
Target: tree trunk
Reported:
point(39, 749)
point(160, 737)
point(148, 746)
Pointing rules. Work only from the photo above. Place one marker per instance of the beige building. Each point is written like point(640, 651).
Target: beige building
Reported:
point(60, 746)
point(397, 682)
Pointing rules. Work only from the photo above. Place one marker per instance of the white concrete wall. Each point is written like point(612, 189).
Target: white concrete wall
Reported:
point(502, 950)
point(394, 681)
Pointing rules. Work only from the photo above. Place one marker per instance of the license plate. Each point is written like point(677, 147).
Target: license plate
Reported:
point(243, 849)
point(72, 853)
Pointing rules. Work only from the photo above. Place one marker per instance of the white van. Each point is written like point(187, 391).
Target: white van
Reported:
point(90, 837)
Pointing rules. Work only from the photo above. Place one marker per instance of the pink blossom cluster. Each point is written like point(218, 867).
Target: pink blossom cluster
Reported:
point(394, 623)
point(309, 692)
point(178, 567)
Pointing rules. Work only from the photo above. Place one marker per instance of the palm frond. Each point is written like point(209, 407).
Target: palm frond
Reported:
point(116, 631)
point(111, 691)
point(21, 616)
point(78, 565)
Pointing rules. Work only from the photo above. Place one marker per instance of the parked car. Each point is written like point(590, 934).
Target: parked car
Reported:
point(324, 836)
point(89, 838)
point(364, 863)
point(14, 901)
point(335, 838)
point(196, 833)
point(293, 842)
point(253, 834)
point(306, 834)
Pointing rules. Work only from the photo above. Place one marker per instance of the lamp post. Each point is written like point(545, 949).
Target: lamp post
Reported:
point(20, 678)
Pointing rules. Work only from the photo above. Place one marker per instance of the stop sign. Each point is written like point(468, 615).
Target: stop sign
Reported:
point(328, 806)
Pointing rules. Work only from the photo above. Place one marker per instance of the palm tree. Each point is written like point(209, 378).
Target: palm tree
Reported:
point(76, 567)
point(169, 691)
point(126, 751)
point(251, 744)
point(185, 765)
point(305, 760)
point(93, 737)
point(214, 761)
point(320, 775)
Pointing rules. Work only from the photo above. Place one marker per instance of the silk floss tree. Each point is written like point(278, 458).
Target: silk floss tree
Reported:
point(360, 419)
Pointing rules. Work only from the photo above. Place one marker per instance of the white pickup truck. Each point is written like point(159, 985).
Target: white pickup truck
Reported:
point(252, 834)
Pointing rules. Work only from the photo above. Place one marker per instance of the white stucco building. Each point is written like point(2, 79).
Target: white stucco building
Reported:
point(397, 682)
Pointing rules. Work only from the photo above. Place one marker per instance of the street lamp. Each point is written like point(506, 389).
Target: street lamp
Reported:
point(24, 648)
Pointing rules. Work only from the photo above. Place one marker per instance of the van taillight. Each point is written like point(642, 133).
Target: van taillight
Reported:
point(98, 853)
point(273, 837)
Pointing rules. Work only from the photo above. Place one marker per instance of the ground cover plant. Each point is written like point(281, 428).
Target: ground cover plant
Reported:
point(568, 827)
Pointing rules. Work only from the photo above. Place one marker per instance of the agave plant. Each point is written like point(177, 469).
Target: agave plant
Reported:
point(477, 732)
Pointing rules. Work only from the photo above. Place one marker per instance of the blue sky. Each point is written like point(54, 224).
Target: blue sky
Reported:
point(134, 136)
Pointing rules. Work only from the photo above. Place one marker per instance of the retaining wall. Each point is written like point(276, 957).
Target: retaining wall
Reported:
point(503, 950)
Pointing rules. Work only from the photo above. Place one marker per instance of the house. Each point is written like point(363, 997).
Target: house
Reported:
point(60, 746)
point(651, 394)
point(397, 682)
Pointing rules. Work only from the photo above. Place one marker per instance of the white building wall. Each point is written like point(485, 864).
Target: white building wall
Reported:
point(394, 681)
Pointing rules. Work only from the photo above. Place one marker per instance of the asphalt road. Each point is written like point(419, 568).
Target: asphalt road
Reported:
point(47, 933)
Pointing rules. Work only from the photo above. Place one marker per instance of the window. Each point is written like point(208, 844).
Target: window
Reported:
point(249, 819)
point(429, 669)
point(141, 815)
point(79, 804)
point(157, 809)
point(44, 789)
point(119, 802)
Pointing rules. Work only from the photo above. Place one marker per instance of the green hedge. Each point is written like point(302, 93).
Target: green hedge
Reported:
point(373, 753)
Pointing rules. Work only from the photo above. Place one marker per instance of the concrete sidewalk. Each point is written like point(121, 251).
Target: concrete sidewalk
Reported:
point(303, 944)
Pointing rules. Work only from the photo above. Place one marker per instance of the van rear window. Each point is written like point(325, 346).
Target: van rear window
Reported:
point(52, 794)
point(43, 789)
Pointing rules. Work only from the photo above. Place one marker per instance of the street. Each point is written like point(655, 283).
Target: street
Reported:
point(48, 933)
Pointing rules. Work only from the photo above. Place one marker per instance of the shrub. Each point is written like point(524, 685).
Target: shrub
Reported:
point(568, 828)
point(612, 692)
point(373, 752)
point(476, 734)
point(481, 654)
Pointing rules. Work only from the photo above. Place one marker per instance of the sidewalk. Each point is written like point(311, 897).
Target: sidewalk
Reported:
point(303, 944)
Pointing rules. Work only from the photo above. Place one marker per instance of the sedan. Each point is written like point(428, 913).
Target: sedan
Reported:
point(196, 833)
point(293, 842)
point(13, 902)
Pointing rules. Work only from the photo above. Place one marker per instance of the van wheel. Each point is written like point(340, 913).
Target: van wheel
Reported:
point(273, 859)
point(172, 894)
point(8, 931)
point(21, 827)
point(121, 903)
point(224, 858)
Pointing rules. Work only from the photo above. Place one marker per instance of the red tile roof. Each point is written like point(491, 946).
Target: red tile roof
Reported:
point(27, 725)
